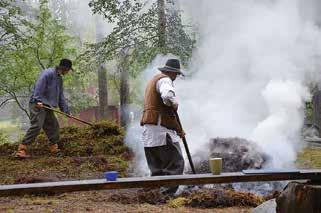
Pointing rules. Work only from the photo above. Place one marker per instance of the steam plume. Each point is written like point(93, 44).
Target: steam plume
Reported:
point(252, 66)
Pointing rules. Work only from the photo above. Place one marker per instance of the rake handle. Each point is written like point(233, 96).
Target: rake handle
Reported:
point(65, 114)
point(185, 144)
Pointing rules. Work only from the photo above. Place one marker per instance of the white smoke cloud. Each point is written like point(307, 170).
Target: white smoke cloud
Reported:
point(278, 132)
point(252, 65)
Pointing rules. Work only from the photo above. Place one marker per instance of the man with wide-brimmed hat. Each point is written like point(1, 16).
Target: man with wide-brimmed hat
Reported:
point(47, 91)
point(161, 134)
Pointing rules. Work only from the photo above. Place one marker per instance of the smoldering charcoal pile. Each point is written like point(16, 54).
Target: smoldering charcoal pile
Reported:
point(237, 154)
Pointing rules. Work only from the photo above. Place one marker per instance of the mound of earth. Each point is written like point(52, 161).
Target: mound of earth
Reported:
point(237, 154)
point(86, 152)
point(202, 198)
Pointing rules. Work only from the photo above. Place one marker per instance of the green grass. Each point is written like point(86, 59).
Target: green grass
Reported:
point(7, 124)
point(309, 158)
point(10, 129)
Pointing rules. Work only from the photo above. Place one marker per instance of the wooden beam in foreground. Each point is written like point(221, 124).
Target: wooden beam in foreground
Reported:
point(156, 181)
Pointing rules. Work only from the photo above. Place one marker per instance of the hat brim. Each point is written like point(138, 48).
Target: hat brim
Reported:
point(166, 69)
point(69, 68)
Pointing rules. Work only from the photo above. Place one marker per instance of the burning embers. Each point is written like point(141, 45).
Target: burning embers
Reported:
point(237, 154)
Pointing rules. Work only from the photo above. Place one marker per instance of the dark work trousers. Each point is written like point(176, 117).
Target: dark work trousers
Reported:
point(42, 119)
point(165, 160)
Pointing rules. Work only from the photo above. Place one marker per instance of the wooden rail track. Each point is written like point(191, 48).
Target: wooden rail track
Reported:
point(313, 142)
point(156, 181)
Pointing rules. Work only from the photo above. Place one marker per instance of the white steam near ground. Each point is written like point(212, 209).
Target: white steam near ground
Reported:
point(252, 66)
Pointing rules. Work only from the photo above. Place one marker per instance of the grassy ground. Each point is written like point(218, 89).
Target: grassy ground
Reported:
point(11, 130)
point(86, 152)
point(8, 126)
point(309, 158)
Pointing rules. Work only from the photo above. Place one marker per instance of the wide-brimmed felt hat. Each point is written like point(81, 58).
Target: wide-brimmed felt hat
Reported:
point(172, 65)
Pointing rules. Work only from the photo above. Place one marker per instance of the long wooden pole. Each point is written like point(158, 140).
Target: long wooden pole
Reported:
point(69, 116)
point(185, 144)
point(155, 181)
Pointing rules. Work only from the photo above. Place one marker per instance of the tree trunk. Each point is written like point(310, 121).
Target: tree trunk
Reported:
point(102, 93)
point(124, 97)
point(316, 116)
point(124, 87)
point(161, 25)
point(102, 81)
point(299, 198)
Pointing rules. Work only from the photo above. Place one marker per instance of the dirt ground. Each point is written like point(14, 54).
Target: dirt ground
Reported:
point(87, 153)
point(95, 201)
point(91, 165)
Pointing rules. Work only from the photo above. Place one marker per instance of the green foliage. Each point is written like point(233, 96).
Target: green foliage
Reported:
point(137, 29)
point(77, 85)
point(10, 19)
point(43, 43)
point(179, 42)
point(50, 40)
point(14, 32)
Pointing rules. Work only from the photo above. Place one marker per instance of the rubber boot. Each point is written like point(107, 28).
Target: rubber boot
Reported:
point(54, 149)
point(22, 152)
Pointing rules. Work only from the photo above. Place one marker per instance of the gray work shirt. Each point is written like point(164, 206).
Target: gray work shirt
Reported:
point(49, 90)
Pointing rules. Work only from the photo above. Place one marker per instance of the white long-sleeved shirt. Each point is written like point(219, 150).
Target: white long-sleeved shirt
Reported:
point(155, 135)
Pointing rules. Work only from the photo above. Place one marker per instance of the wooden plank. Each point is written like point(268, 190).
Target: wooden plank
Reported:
point(156, 181)
point(314, 145)
point(269, 171)
point(313, 139)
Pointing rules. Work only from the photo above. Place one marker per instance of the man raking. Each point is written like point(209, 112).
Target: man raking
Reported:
point(48, 91)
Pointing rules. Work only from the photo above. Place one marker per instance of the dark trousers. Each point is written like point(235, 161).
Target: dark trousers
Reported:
point(42, 119)
point(165, 160)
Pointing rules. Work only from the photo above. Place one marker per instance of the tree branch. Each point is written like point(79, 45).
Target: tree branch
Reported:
point(3, 103)
point(38, 59)
point(15, 97)
point(116, 83)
